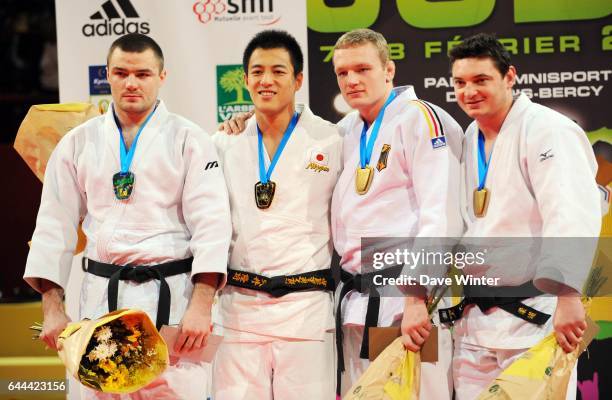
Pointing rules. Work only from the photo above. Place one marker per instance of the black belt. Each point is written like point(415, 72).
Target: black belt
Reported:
point(362, 284)
point(140, 273)
point(281, 285)
point(488, 297)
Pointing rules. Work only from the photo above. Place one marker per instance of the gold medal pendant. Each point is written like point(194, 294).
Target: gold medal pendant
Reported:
point(363, 179)
point(481, 202)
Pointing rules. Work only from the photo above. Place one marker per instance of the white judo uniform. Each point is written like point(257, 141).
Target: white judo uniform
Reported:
point(416, 194)
point(178, 209)
point(542, 184)
point(279, 347)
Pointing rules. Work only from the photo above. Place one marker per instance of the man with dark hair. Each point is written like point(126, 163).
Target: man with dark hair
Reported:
point(136, 43)
point(529, 172)
point(276, 314)
point(272, 39)
point(389, 192)
point(165, 213)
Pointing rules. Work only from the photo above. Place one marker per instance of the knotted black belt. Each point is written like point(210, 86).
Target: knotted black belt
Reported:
point(281, 285)
point(362, 284)
point(139, 274)
point(501, 296)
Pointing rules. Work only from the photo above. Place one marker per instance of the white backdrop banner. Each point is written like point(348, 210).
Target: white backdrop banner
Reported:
point(202, 41)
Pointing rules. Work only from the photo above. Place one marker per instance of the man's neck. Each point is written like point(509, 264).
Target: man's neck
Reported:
point(129, 121)
point(273, 126)
point(369, 114)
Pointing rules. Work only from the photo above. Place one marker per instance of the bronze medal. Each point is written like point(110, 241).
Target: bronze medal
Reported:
point(481, 202)
point(363, 179)
point(264, 193)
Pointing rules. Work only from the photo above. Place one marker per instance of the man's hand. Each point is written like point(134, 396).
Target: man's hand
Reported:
point(55, 318)
point(236, 124)
point(569, 321)
point(193, 329)
point(196, 323)
point(415, 323)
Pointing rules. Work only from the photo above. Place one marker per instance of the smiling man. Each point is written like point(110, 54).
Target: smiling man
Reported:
point(276, 314)
point(137, 178)
point(530, 173)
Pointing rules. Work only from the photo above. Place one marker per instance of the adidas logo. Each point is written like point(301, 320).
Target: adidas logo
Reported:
point(438, 142)
point(111, 22)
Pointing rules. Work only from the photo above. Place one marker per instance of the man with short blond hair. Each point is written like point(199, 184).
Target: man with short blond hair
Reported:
point(400, 179)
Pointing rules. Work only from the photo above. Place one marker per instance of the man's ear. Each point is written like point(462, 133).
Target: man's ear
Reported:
point(389, 71)
point(510, 77)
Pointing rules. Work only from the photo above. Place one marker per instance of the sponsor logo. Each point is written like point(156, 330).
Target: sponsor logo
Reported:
point(98, 84)
point(99, 88)
point(112, 20)
point(260, 12)
point(438, 142)
point(210, 165)
point(546, 155)
point(384, 156)
point(318, 161)
point(232, 95)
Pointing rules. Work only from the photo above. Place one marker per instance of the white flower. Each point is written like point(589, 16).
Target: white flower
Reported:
point(103, 334)
point(102, 351)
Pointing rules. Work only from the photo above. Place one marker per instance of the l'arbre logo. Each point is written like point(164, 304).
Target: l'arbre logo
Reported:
point(232, 95)
point(109, 20)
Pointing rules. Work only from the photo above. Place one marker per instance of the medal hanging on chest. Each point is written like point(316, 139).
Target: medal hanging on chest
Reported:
point(123, 181)
point(363, 179)
point(265, 188)
point(480, 202)
point(365, 173)
point(482, 195)
point(264, 193)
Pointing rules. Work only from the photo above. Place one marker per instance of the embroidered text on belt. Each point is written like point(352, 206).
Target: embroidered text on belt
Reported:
point(281, 285)
point(139, 274)
point(362, 284)
point(508, 298)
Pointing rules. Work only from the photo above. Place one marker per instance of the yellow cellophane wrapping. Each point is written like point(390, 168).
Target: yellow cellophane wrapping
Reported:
point(75, 338)
point(41, 130)
point(394, 375)
point(541, 373)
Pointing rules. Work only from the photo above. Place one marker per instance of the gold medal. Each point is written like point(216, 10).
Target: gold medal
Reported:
point(264, 193)
point(363, 179)
point(481, 202)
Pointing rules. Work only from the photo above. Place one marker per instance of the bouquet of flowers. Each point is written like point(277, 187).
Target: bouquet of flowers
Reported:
point(120, 352)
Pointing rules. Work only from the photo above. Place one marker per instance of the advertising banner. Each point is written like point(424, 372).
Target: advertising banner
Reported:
point(202, 41)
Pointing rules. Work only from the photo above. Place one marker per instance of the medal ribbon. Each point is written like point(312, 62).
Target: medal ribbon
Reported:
point(483, 164)
point(125, 156)
point(365, 151)
point(264, 176)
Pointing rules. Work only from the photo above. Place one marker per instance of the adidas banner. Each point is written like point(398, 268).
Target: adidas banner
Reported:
point(202, 41)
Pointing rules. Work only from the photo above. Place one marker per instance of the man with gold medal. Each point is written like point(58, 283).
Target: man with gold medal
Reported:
point(529, 173)
point(400, 179)
point(276, 314)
